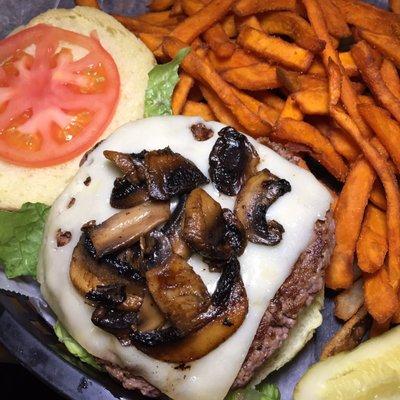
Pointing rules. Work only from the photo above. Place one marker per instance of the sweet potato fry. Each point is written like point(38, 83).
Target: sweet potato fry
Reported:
point(137, 26)
point(177, 8)
point(366, 16)
point(348, 217)
point(386, 129)
point(344, 144)
point(275, 49)
point(219, 109)
point(391, 77)
point(348, 63)
point(160, 5)
point(365, 100)
point(372, 77)
point(219, 41)
point(229, 26)
point(348, 95)
point(250, 21)
point(387, 45)
point(292, 25)
point(349, 336)
point(378, 197)
point(348, 302)
point(377, 329)
point(197, 109)
point(162, 18)
point(248, 7)
point(194, 25)
point(265, 112)
point(290, 130)
point(191, 7)
point(313, 101)
point(294, 81)
point(272, 100)
point(181, 92)
point(238, 59)
point(395, 6)
point(200, 69)
point(153, 41)
point(372, 243)
point(334, 19)
point(380, 297)
point(390, 185)
point(335, 82)
point(291, 110)
point(87, 3)
point(253, 77)
point(317, 68)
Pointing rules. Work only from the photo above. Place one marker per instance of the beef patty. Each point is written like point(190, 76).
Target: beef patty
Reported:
point(297, 292)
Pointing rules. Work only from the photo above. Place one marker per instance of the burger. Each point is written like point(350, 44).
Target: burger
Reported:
point(187, 257)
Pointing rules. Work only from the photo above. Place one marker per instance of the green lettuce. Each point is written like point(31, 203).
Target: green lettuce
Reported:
point(264, 391)
point(73, 346)
point(162, 81)
point(21, 234)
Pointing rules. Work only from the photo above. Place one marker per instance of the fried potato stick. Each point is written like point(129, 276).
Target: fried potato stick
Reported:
point(200, 69)
point(272, 100)
point(349, 301)
point(335, 82)
point(380, 297)
point(372, 243)
point(313, 101)
point(372, 77)
point(219, 41)
point(181, 92)
point(160, 5)
point(291, 110)
point(391, 77)
point(229, 26)
point(395, 6)
point(191, 27)
point(197, 109)
point(275, 49)
point(253, 77)
point(390, 185)
point(295, 81)
point(348, 217)
point(292, 131)
point(137, 26)
point(344, 144)
point(248, 7)
point(386, 129)
point(348, 95)
point(250, 21)
point(334, 19)
point(238, 59)
point(378, 197)
point(292, 25)
point(87, 3)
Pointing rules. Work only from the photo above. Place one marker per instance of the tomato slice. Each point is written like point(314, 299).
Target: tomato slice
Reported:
point(53, 107)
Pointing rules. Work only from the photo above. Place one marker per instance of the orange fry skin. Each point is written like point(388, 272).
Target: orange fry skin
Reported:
point(378, 197)
point(197, 109)
point(335, 82)
point(344, 144)
point(248, 7)
point(252, 77)
point(395, 6)
point(275, 49)
point(391, 77)
point(348, 217)
point(193, 26)
point(291, 110)
point(137, 26)
point(181, 92)
point(334, 19)
point(380, 297)
point(297, 28)
point(372, 243)
point(219, 41)
point(386, 129)
point(370, 72)
point(390, 185)
point(160, 5)
point(238, 59)
point(313, 101)
point(292, 131)
point(87, 3)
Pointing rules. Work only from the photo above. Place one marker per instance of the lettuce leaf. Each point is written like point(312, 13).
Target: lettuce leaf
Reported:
point(162, 81)
point(21, 234)
point(264, 391)
point(73, 346)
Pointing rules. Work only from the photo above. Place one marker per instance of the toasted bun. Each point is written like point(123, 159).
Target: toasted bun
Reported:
point(133, 59)
point(309, 320)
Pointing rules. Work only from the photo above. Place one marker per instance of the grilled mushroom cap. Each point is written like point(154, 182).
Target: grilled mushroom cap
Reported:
point(226, 313)
point(211, 231)
point(169, 174)
point(87, 274)
point(126, 194)
point(232, 160)
point(126, 227)
point(252, 203)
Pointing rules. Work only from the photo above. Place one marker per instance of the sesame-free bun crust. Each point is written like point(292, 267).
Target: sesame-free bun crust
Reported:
point(133, 59)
